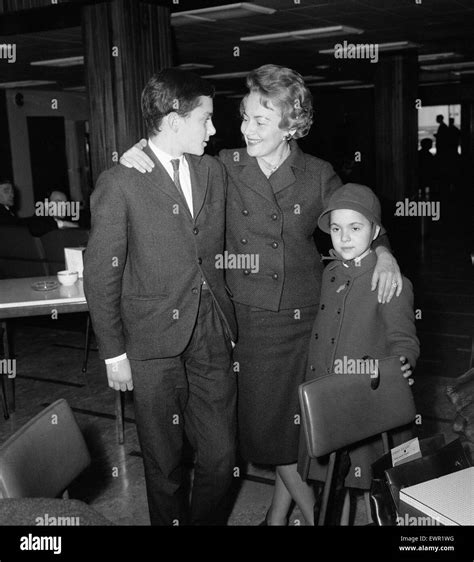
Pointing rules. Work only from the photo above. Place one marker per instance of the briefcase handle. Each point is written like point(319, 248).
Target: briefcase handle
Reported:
point(374, 375)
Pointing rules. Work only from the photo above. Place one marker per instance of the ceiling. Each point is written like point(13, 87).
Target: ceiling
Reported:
point(435, 26)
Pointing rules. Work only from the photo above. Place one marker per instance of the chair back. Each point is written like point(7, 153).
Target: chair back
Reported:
point(342, 409)
point(339, 410)
point(21, 254)
point(54, 243)
point(44, 456)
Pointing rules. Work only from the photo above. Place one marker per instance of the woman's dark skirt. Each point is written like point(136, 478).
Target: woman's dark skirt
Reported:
point(271, 355)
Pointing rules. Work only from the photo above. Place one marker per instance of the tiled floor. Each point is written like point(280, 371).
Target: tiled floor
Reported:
point(49, 358)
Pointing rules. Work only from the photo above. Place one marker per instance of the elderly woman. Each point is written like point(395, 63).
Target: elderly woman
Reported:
point(274, 198)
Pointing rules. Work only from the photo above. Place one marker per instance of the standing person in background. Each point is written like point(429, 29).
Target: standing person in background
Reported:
point(454, 136)
point(427, 168)
point(453, 139)
point(441, 136)
point(442, 153)
point(275, 196)
point(161, 312)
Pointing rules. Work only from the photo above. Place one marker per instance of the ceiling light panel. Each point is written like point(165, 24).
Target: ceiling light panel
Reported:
point(303, 34)
point(449, 66)
point(64, 62)
point(25, 83)
point(227, 75)
point(217, 13)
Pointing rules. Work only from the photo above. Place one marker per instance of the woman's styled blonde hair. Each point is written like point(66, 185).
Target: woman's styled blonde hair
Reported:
point(285, 89)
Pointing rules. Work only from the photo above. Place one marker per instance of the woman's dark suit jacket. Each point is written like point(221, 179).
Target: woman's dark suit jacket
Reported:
point(278, 225)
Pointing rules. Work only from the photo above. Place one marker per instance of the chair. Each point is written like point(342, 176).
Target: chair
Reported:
point(341, 410)
point(21, 254)
point(382, 506)
point(54, 243)
point(44, 456)
point(447, 459)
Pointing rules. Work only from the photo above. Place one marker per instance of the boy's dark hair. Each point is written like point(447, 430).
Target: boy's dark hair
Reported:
point(172, 90)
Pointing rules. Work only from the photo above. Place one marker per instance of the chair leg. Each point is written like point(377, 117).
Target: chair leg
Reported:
point(86, 344)
point(471, 360)
point(367, 507)
point(119, 415)
point(6, 413)
point(327, 489)
point(346, 509)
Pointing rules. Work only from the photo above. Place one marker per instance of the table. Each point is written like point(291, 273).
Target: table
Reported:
point(18, 300)
point(448, 500)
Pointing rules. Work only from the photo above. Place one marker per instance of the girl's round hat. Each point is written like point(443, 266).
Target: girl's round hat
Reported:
point(356, 197)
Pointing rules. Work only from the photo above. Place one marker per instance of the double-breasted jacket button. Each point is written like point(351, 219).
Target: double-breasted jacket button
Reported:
point(274, 216)
point(195, 230)
point(332, 340)
point(323, 306)
point(333, 279)
point(312, 368)
point(245, 212)
point(244, 240)
point(246, 272)
point(316, 336)
point(348, 283)
point(194, 291)
point(275, 276)
point(275, 245)
point(199, 261)
point(339, 311)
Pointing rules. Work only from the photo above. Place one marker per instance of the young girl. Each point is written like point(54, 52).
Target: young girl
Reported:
point(351, 323)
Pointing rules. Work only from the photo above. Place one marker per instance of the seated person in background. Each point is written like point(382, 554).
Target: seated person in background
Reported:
point(49, 215)
point(7, 203)
point(352, 323)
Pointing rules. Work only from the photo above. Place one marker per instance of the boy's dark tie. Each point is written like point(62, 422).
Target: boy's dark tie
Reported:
point(175, 164)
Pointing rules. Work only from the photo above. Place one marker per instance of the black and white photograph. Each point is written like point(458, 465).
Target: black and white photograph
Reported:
point(236, 279)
